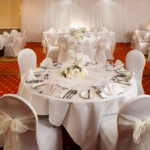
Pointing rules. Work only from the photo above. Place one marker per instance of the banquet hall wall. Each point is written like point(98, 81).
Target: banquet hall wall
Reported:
point(121, 16)
point(10, 15)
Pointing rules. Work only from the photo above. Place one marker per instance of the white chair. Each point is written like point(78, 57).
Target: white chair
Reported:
point(104, 29)
point(24, 37)
point(129, 130)
point(52, 30)
point(2, 42)
point(61, 30)
point(29, 132)
point(94, 29)
point(6, 33)
point(141, 42)
point(71, 29)
point(100, 50)
point(13, 49)
point(53, 51)
point(63, 50)
point(136, 60)
point(27, 60)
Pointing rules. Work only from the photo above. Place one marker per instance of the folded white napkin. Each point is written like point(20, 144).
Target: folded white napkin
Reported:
point(112, 89)
point(129, 77)
point(118, 65)
point(46, 62)
point(52, 89)
point(31, 76)
point(86, 59)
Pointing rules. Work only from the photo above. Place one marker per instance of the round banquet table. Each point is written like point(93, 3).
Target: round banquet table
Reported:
point(81, 117)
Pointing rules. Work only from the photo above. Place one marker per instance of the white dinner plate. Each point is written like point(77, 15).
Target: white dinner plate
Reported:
point(85, 94)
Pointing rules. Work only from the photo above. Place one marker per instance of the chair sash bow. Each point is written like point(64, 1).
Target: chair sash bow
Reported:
point(139, 127)
point(11, 128)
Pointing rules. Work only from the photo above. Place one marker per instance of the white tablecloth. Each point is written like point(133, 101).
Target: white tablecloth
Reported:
point(80, 117)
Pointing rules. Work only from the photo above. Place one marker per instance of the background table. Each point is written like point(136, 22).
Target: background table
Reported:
point(80, 117)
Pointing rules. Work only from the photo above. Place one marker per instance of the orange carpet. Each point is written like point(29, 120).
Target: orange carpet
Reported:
point(10, 79)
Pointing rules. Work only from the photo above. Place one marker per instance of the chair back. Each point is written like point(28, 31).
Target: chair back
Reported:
point(100, 50)
point(6, 33)
point(26, 60)
point(136, 60)
point(17, 46)
point(94, 29)
point(134, 124)
point(63, 49)
point(14, 106)
point(61, 30)
point(104, 29)
point(1, 43)
point(13, 33)
point(52, 30)
point(76, 47)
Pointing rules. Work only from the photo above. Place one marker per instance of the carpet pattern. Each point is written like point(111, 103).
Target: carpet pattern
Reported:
point(10, 78)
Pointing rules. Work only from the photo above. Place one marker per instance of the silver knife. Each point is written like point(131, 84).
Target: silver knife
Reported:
point(67, 93)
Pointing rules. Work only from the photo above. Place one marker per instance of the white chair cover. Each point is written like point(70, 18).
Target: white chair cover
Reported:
point(6, 33)
point(100, 51)
point(94, 29)
point(13, 33)
point(13, 49)
point(133, 126)
point(52, 30)
point(18, 123)
point(104, 29)
point(22, 130)
point(63, 50)
point(61, 30)
point(140, 44)
point(26, 60)
point(136, 60)
point(53, 51)
point(1, 43)
point(24, 37)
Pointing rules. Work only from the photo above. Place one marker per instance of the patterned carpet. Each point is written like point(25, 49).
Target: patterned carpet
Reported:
point(10, 78)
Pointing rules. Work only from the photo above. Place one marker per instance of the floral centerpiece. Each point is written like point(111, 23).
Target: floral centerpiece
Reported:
point(75, 71)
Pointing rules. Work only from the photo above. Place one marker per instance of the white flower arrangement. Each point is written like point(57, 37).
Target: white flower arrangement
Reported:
point(77, 31)
point(75, 71)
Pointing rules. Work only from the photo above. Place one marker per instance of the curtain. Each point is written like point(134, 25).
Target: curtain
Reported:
point(121, 16)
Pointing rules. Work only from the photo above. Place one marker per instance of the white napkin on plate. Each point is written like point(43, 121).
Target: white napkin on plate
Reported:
point(31, 76)
point(52, 89)
point(118, 65)
point(46, 62)
point(111, 89)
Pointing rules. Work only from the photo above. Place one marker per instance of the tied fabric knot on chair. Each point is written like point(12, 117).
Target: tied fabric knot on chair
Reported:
point(100, 52)
point(139, 127)
point(11, 128)
point(63, 55)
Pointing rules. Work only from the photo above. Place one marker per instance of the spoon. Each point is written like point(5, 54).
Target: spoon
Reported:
point(74, 92)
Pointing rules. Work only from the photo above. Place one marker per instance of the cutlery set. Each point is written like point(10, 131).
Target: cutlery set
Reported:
point(70, 94)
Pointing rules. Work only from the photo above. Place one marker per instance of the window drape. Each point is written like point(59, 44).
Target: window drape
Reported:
point(121, 16)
